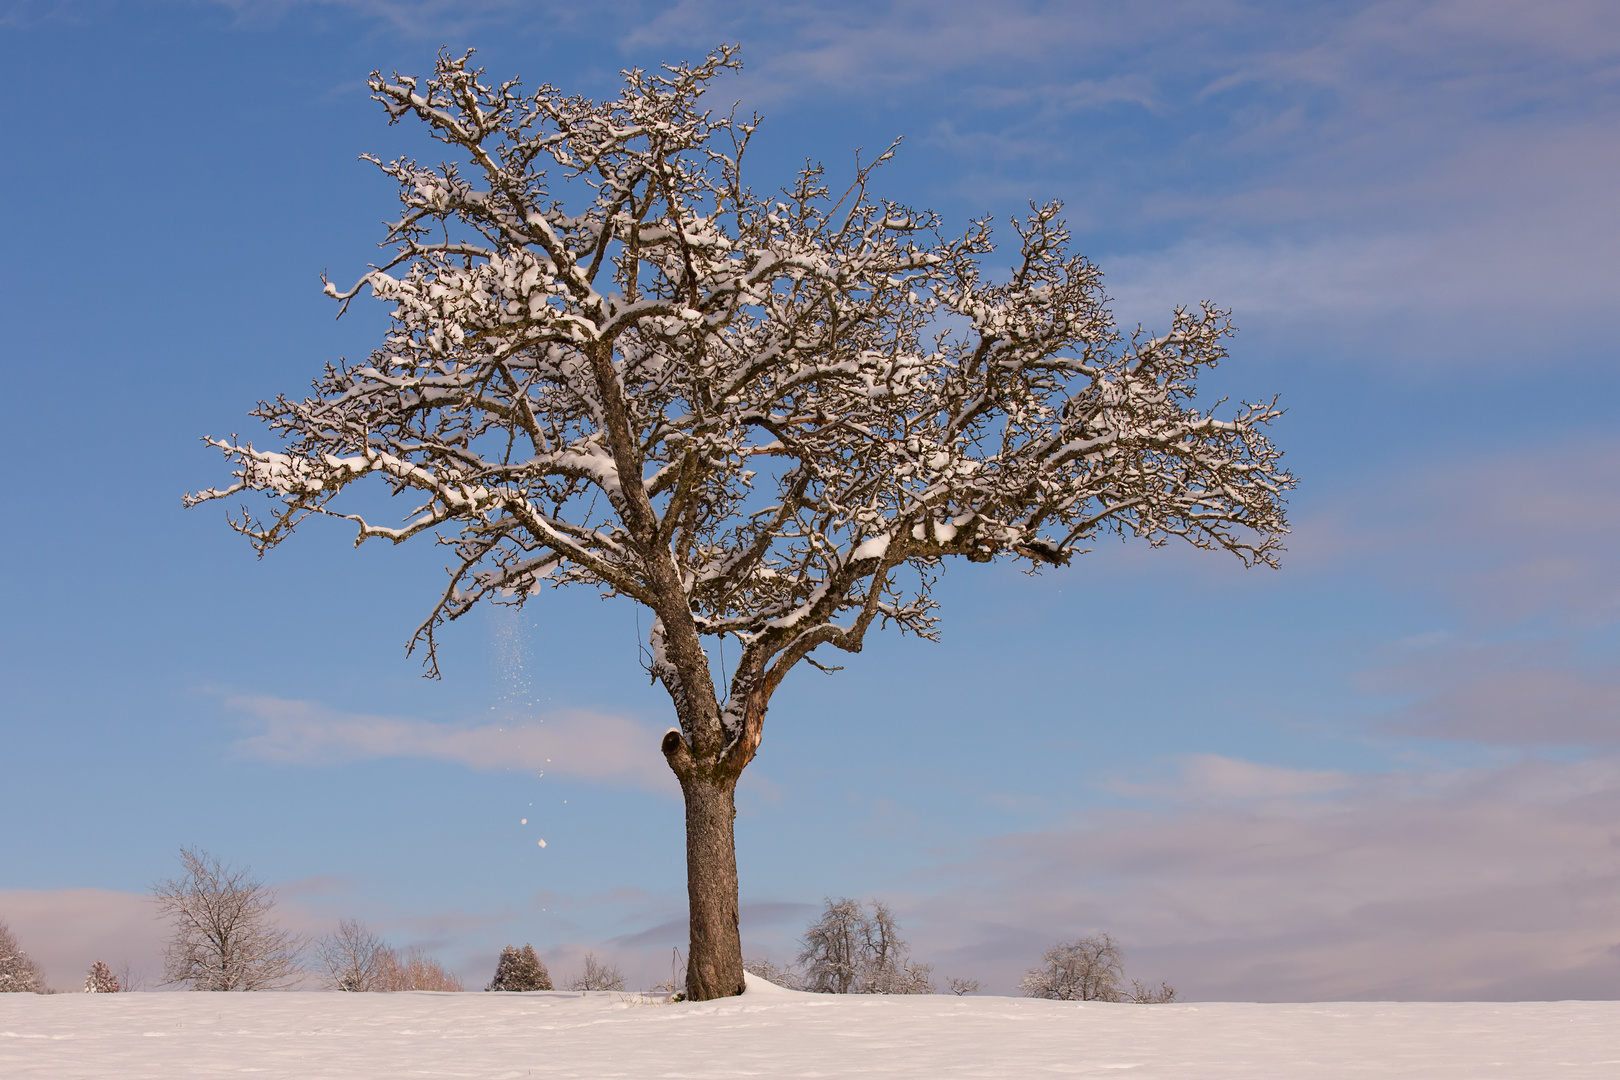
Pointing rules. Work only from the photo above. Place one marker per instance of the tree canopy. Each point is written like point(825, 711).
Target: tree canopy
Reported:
point(764, 417)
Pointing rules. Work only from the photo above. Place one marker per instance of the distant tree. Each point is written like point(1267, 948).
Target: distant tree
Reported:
point(18, 973)
point(831, 948)
point(222, 936)
point(520, 970)
point(963, 986)
point(101, 980)
point(353, 957)
point(358, 960)
point(769, 417)
point(598, 975)
point(1087, 969)
point(856, 949)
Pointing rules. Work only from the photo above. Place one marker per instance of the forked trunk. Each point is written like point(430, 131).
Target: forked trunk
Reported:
point(714, 957)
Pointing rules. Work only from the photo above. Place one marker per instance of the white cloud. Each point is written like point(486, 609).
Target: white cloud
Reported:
point(592, 746)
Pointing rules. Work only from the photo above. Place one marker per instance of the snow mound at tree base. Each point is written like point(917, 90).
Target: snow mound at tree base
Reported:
point(777, 1033)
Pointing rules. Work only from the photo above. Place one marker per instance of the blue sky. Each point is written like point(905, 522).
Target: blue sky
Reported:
point(1389, 769)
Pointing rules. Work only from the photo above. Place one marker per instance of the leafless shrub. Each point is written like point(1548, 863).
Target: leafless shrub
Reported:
point(597, 975)
point(675, 987)
point(417, 971)
point(100, 980)
point(963, 986)
point(18, 973)
point(785, 977)
point(222, 936)
point(851, 950)
point(1148, 995)
point(130, 979)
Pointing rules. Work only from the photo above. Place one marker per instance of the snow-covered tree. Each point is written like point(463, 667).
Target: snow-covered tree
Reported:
point(222, 936)
point(853, 950)
point(18, 973)
point(1087, 969)
point(519, 970)
point(100, 980)
point(597, 975)
point(764, 417)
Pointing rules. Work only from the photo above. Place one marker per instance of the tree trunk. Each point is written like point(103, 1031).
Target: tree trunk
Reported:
point(714, 957)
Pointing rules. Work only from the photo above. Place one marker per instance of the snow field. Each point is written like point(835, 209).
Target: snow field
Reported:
point(770, 1032)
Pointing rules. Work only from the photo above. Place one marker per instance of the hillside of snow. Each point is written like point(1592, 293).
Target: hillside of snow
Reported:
point(770, 1032)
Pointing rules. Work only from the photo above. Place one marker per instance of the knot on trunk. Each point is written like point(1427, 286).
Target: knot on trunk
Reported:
point(677, 754)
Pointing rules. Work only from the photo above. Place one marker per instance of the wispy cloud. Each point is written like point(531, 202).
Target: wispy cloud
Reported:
point(1524, 534)
point(1490, 883)
point(594, 746)
point(1515, 693)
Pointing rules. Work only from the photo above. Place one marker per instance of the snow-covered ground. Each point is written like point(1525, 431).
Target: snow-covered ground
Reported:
point(770, 1032)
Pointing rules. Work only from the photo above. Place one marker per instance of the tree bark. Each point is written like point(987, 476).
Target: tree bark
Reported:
point(714, 956)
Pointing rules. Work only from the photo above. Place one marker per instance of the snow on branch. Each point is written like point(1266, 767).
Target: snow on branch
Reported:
point(769, 417)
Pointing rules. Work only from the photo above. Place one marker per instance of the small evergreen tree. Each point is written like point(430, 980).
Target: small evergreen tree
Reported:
point(518, 970)
point(18, 974)
point(101, 980)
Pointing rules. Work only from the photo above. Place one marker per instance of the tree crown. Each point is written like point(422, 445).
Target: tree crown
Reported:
point(763, 417)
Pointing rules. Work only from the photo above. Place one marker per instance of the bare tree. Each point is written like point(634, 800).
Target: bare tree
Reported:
point(358, 960)
point(963, 986)
point(100, 980)
point(851, 950)
point(1089, 969)
point(598, 975)
point(354, 957)
point(768, 418)
point(830, 948)
point(18, 973)
point(222, 935)
point(519, 970)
